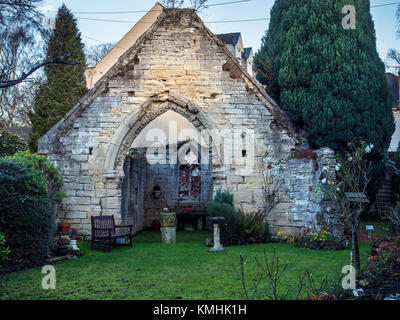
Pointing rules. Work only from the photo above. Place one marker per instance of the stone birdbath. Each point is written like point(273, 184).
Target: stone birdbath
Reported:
point(216, 234)
point(168, 227)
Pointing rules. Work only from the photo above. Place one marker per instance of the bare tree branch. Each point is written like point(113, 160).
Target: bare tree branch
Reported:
point(60, 60)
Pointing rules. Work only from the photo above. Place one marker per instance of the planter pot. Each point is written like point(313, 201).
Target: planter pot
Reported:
point(168, 219)
point(62, 250)
point(64, 228)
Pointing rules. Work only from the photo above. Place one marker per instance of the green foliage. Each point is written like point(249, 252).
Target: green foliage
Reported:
point(323, 235)
point(335, 287)
point(43, 166)
point(267, 232)
point(382, 275)
point(64, 84)
point(222, 206)
point(4, 249)
point(393, 217)
point(10, 143)
point(251, 227)
point(229, 226)
point(223, 197)
point(238, 227)
point(396, 175)
point(330, 80)
point(25, 213)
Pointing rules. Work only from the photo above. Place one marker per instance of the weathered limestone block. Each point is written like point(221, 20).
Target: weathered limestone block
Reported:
point(76, 215)
point(168, 234)
point(76, 200)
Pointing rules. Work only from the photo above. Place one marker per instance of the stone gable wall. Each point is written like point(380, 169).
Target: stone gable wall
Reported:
point(180, 68)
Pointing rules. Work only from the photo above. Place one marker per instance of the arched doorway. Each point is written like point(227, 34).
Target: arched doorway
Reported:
point(158, 173)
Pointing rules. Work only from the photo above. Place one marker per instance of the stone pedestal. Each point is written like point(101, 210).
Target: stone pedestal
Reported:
point(168, 234)
point(216, 233)
point(73, 245)
point(168, 227)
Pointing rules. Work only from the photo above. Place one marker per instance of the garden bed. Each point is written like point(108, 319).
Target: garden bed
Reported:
point(323, 245)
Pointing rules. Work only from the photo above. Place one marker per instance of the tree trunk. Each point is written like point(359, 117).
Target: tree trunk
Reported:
point(355, 250)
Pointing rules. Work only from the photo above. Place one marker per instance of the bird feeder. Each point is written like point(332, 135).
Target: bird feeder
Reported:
point(369, 232)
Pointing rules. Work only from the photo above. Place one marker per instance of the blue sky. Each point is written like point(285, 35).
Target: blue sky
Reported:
point(252, 32)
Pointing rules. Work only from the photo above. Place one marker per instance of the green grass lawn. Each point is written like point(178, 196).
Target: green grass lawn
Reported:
point(185, 270)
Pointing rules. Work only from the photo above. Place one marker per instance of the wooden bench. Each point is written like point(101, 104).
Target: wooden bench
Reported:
point(104, 231)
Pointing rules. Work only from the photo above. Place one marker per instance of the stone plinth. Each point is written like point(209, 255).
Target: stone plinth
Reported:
point(168, 234)
point(168, 227)
point(217, 242)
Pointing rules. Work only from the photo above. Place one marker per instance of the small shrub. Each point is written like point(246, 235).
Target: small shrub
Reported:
point(10, 143)
point(229, 227)
point(267, 232)
point(251, 226)
point(396, 177)
point(223, 197)
point(318, 240)
point(382, 275)
point(25, 214)
point(46, 168)
point(4, 249)
point(393, 216)
point(222, 206)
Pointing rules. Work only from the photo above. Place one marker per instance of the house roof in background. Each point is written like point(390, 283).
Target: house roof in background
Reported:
point(229, 38)
point(105, 64)
point(247, 52)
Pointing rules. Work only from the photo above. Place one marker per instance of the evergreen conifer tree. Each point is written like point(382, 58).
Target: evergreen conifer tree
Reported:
point(329, 79)
point(64, 84)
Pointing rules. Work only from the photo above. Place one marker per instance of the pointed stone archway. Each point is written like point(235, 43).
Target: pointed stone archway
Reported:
point(131, 127)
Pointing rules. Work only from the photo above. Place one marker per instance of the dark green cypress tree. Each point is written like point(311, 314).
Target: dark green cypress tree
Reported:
point(329, 79)
point(65, 84)
point(267, 59)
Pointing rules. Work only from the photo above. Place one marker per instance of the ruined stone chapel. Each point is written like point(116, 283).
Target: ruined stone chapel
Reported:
point(171, 65)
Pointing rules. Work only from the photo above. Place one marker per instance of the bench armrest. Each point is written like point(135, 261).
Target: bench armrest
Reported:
point(130, 226)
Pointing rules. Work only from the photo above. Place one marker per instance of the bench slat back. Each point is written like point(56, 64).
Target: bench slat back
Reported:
point(101, 223)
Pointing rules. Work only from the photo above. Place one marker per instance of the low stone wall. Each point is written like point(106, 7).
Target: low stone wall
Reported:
point(301, 205)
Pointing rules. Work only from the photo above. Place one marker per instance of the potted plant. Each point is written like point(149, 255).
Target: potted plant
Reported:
point(156, 225)
point(62, 246)
point(63, 228)
point(168, 217)
point(73, 235)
